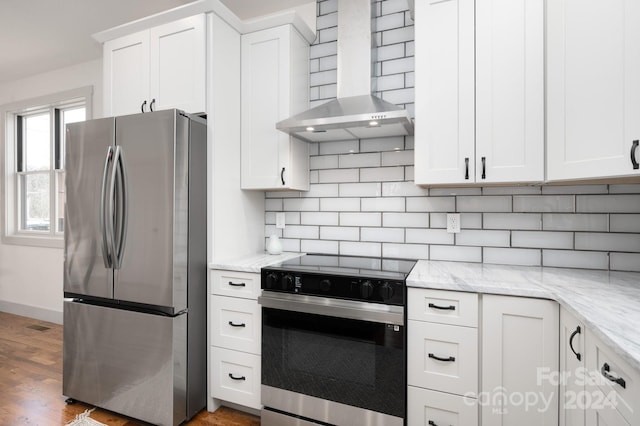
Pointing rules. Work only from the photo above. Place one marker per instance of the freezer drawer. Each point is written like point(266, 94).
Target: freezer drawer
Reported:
point(129, 362)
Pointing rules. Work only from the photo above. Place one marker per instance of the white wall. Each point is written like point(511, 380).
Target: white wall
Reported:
point(31, 277)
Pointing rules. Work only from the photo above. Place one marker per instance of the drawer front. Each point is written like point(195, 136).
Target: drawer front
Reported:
point(235, 284)
point(236, 324)
point(444, 307)
point(428, 408)
point(605, 416)
point(442, 357)
point(235, 377)
point(625, 397)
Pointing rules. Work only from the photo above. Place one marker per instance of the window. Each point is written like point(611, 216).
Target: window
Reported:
point(34, 162)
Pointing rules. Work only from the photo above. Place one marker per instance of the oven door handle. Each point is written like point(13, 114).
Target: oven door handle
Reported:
point(364, 311)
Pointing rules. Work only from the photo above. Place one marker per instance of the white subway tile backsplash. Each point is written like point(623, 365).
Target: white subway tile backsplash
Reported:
point(398, 35)
point(410, 79)
point(633, 188)
point(318, 218)
point(322, 49)
point(542, 239)
point(360, 219)
point(405, 251)
point(575, 222)
point(431, 204)
point(368, 189)
point(328, 6)
point(625, 223)
point(511, 190)
point(485, 203)
point(322, 77)
point(313, 176)
point(291, 218)
point(607, 241)
point(436, 192)
point(512, 256)
point(390, 21)
point(300, 231)
point(269, 218)
point(575, 189)
point(575, 259)
point(532, 221)
point(382, 144)
point(328, 91)
point(370, 159)
point(399, 96)
point(339, 147)
point(625, 262)
point(382, 174)
point(282, 194)
point(340, 233)
point(476, 237)
point(393, 6)
point(340, 204)
point(405, 220)
point(467, 220)
point(409, 173)
point(395, 66)
point(323, 162)
point(544, 203)
point(272, 230)
point(608, 203)
point(383, 235)
point(397, 158)
point(273, 204)
point(338, 175)
point(328, 63)
point(360, 249)
point(328, 34)
point(428, 236)
point(321, 190)
point(456, 253)
point(319, 246)
point(289, 244)
point(301, 204)
point(403, 189)
point(387, 204)
point(392, 51)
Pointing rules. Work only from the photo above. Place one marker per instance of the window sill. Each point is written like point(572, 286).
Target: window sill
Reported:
point(34, 241)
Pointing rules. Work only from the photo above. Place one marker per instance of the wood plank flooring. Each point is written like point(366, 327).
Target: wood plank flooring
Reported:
point(31, 381)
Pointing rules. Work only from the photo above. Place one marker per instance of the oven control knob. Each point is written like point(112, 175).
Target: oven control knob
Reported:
point(386, 291)
point(325, 285)
point(287, 282)
point(366, 289)
point(272, 280)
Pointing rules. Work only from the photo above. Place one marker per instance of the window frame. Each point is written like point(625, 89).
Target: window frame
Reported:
point(11, 209)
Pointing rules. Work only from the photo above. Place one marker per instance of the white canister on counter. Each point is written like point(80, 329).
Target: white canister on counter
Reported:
point(274, 246)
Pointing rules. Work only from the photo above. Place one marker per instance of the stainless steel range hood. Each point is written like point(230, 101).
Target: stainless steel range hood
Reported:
point(356, 113)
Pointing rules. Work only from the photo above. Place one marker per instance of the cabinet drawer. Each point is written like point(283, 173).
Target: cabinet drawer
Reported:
point(236, 324)
point(428, 408)
point(236, 284)
point(442, 357)
point(235, 377)
point(445, 307)
point(624, 394)
point(605, 416)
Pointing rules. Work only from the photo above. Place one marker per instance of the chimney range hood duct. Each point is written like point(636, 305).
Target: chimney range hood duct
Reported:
point(356, 113)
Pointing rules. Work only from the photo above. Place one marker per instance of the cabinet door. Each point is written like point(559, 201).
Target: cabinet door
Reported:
point(271, 70)
point(444, 104)
point(509, 90)
point(520, 350)
point(572, 363)
point(593, 89)
point(178, 65)
point(126, 74)
point(431, 408)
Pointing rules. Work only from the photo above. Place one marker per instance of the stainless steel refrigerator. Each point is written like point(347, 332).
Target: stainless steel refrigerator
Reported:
point(135, 265)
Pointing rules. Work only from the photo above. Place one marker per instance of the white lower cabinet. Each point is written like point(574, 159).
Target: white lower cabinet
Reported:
point(235, 336)
point(431, 408)
point(572, 364)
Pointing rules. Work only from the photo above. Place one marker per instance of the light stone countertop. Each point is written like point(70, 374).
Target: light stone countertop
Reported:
point(254, 262)
point(607, 302)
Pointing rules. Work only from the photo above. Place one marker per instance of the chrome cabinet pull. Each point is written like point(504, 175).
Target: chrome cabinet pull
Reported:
point(605, 372)
point(449, 359)
point(573, 335)
point(634, 161)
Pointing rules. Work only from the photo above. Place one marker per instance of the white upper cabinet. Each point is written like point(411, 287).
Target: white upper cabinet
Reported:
point(479, 91)
point(275, 72)
point(593, 88)
point(160, 68)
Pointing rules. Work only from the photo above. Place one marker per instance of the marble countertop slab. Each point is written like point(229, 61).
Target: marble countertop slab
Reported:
point(607, 302)
point(254, 262)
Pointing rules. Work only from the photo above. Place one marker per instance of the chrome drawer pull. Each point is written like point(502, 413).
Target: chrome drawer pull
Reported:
point(619, 380)
point(237, 284)
point(444, 308)
point(233, 324)
point(450, 359)
point(237, 378)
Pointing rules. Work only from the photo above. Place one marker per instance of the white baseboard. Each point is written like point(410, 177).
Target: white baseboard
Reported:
point(41, 314)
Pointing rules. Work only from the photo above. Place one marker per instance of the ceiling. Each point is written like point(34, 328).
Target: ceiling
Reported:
point(42, 35)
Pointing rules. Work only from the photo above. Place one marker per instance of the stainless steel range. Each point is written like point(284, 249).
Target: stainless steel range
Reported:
point(334, 341)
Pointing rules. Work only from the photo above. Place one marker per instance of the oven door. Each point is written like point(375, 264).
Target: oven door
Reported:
point(334, 361)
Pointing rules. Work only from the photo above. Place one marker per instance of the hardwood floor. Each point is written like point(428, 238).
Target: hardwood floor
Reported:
point(31, 381)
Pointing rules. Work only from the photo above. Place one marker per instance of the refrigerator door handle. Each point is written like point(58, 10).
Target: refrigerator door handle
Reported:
point(107, 251)
point(120, 172)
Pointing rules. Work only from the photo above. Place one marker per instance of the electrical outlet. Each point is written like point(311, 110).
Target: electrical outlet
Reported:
point(280, 220)
point(453, 223)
